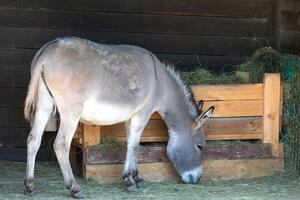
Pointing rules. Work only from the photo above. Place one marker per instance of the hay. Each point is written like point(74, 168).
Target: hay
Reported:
point(108, 142)
point(267, 60)
point(203, 76)
point(49, 185)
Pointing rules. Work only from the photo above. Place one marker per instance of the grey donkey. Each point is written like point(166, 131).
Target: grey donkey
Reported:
point(108, 84)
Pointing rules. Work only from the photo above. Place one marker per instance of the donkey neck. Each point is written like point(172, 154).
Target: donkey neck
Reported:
point(178, 110)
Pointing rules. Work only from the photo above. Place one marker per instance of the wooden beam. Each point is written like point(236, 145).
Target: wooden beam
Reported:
point(152, 154)
point(215, 129)
point(271, 111)
point(231, 108)
point(236, 108)
point(227, 92)
point(212, 170)
point(244, 136)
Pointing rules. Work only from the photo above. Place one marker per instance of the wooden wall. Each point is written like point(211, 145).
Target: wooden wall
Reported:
point(288, 12)
point(184, 32)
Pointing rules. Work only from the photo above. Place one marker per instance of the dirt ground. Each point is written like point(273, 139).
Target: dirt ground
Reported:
point(49, 185)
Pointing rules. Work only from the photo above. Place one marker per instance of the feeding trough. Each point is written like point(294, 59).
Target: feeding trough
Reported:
point(248, 112)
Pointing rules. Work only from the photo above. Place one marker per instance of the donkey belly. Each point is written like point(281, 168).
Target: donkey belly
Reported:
point(105, 113)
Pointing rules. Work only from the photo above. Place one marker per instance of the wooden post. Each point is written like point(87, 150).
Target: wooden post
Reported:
point(91, 135)
point(271, 111)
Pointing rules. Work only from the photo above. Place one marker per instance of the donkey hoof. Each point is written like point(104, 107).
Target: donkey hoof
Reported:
point(139, 182)
point(29, 192)
point(29, 187)
point(132, 188)
point(77, 194)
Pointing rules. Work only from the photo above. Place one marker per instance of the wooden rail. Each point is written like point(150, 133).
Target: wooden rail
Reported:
point(242, 111)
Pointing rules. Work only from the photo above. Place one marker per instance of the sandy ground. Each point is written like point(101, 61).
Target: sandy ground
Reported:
point(49, 185)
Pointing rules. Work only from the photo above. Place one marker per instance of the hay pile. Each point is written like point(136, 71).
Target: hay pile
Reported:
point(267, 60)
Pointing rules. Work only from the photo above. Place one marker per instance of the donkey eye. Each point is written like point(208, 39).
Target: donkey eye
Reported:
point(199, 147)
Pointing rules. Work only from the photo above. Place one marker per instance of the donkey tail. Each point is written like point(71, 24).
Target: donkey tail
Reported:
point(36, 73)
point(31, 98)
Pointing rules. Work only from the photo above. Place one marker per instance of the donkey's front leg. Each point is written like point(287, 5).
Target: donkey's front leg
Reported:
point(134, 128)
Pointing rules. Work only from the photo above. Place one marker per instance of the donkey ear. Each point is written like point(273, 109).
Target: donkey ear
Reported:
point(200, 120)
point(200, 105)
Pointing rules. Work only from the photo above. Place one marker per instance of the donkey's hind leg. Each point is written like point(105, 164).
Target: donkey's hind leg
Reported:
point(62, 145)
point(43, 112)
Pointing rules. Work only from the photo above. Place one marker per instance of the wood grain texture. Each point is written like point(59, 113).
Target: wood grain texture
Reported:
point(106, 21)
point(244, 136)
point(216, 128)
point(271, 111)
point(227, 92)
point(17, 137)
point(14, 77)
point(162, 43)
point(20, 154)
point(235, 108)
point(12, 117)
point(231, 108)
point(90, 135)
point(212, 170)
point(249, 8)
point(12, 97)
point(21, 58)
point(152, 154)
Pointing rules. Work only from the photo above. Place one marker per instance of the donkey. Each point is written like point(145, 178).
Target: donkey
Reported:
point(107, 84)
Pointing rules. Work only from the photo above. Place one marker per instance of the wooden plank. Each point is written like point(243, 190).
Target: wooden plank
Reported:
point(161, 43)
point(235, 108)
point(91, 135)
point(249, 8)
point(152, 154)
point(228, 92)
point(14, 57)
point(13, 137)
point(244, 136)
point(231, 126)
point(22, 58)
point(14, 77)
point(20, 154)
point(213, 170)
point(12, 117)
point(147, 23)
point(216, 128)
point(271, 111)
point(17, 138)
point(12, 97)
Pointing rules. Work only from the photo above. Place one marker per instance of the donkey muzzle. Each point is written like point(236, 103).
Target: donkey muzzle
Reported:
point(192, 176)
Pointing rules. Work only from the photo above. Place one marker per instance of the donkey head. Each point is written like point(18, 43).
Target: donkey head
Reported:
point(184, 149)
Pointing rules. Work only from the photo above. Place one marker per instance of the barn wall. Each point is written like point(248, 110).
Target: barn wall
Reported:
point(288, 12)
point(184, 32)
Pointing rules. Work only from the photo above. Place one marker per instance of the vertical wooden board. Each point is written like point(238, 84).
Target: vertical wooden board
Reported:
point(271, 111)
point(91, 135)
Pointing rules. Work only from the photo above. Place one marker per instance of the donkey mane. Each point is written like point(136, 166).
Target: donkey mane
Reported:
point(183, 88)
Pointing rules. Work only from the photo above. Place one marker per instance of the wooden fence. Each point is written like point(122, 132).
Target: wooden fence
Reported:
point(242, 112)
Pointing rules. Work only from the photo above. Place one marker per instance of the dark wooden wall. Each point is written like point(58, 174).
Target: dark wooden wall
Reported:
point(185, 32)
point(288, 12)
